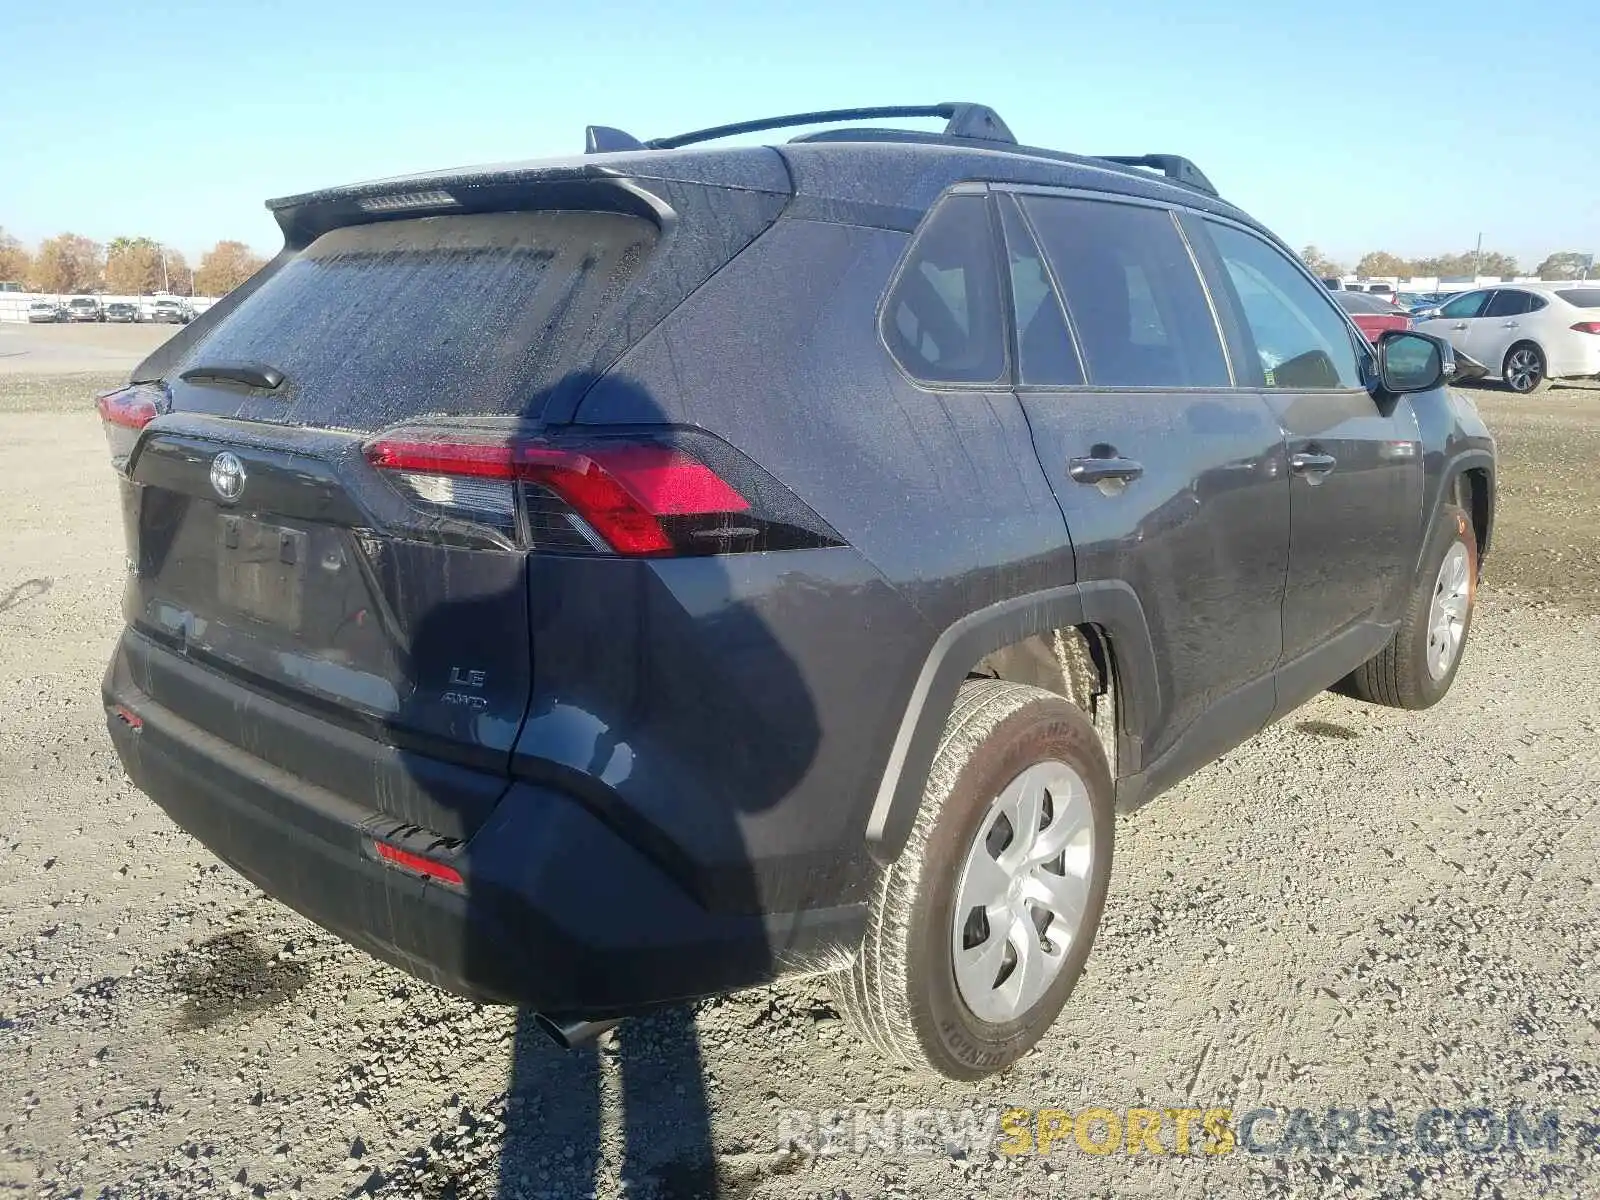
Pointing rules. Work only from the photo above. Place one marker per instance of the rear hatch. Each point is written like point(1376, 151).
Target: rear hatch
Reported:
point(320, 501)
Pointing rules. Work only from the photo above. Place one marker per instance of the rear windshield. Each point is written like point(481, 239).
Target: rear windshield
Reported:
point(1581, 297)
point(469, 314)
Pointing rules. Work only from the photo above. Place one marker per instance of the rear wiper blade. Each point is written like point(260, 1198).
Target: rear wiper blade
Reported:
point(246, 374)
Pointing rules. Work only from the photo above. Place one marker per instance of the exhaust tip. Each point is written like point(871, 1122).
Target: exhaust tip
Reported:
point(569, 1035)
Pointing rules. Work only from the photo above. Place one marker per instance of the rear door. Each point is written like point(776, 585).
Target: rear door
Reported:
point(1170, 478)
point(1355, 466)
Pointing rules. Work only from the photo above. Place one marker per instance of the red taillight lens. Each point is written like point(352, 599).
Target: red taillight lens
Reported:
point(1587, 327)
point(617, 496)
point(417, 865)
point(123, 415)
point(129, 408)
point(624, 491)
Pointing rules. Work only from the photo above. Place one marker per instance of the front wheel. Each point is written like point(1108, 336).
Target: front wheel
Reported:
point(1419, 664)
point(980, 929)
point(1524, 369)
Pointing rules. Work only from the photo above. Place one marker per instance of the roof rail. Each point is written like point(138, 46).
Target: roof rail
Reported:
point(1174, 166)
point(977, 122)
point(968, 122)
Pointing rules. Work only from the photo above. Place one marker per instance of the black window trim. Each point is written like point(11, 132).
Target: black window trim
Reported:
point(1358, 341)
point(1015, 334)
point(1173, 211)
point(1008, 373)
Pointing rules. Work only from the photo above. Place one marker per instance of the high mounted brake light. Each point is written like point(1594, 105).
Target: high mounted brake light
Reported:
point(635, 497)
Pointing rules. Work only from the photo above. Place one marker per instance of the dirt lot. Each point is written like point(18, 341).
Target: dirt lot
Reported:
point(49, 350)
point(1359, 908)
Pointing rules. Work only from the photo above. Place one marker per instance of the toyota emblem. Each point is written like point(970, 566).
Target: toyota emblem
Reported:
point(227, 476)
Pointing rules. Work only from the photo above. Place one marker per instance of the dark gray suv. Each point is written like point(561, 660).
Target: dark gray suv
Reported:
point(600, 583)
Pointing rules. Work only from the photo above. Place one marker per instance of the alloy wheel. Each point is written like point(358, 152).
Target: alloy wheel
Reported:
point(1524, 369)
point(1447, 613)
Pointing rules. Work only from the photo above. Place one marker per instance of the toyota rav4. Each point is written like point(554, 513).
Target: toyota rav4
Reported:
point(599, 583)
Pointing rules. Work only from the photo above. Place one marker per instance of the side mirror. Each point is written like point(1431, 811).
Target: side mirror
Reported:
point(1413, 362)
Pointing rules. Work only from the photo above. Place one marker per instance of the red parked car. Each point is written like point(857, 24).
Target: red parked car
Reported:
point(1372, 314)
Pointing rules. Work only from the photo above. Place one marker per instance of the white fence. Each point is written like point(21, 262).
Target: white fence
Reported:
point(14, 305)
point(1449, 283)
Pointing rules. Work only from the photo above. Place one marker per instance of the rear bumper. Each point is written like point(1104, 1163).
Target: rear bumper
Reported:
point(558, 911)
point(1580, 362)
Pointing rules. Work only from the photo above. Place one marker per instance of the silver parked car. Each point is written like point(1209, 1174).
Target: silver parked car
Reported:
point(174, 312)
point(45, 312)
point(1526, 334)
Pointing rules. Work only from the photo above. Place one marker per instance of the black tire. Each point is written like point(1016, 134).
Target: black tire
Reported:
point(900, 994)
point(1527, 381)
point(1398, 675)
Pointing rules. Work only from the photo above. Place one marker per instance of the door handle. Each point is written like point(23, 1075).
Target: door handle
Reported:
point(1509, 325)
point(1312, 465)
point(1459, 325)
point(1111, 468)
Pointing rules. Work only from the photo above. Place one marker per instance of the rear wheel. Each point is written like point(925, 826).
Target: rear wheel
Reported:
point(1524, 369)
point(1419, 664)
point(980, 929)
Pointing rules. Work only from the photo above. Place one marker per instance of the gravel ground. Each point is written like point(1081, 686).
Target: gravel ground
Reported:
point(1358, 908)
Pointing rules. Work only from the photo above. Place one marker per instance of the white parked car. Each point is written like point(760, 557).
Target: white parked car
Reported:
point(1527, 334)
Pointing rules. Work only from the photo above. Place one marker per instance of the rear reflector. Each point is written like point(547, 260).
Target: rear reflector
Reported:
point(417, 865)
point(128, 717)
point(1587, 327)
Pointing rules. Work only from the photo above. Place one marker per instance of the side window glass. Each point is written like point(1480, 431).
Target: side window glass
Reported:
point(1535, 303)
point(1301, 337)
point(1462, 307)
point(1509, 304)
point(943, 317)
point(1132, 292)
point(1045, 354)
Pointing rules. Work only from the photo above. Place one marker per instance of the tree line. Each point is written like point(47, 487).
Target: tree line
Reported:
point(1563, 264)
point(128, 266)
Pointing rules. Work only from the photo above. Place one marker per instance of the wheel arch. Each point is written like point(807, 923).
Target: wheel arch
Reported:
point(1468, 480)
point(1018, 640)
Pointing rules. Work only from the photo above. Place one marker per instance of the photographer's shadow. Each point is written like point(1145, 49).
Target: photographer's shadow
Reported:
point(665, 713)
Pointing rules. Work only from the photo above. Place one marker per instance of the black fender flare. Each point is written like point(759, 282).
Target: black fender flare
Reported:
point(1467, 459)
point(1111, 605)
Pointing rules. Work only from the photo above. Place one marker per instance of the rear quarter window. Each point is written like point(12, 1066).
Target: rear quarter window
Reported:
point(463, 314)
point(942, 318)
point(1581, 297)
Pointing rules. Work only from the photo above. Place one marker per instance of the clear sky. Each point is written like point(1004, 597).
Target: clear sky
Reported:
point(1409, 127)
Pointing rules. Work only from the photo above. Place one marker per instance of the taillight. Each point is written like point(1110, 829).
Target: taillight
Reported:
point(1587, 327)
point(674, 494)
point(123, 415)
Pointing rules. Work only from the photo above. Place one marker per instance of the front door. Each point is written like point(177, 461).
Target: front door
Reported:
point(1504, 323)
point(1459, 322)
point(1355, 464)
point(1170, 478)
